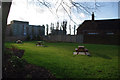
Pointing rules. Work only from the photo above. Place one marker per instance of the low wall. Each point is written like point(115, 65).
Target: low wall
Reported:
point(64, 38)
point(102, 39)
point(11, 38)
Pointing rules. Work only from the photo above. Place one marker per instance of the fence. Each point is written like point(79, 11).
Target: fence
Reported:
point(64, 38)
point(92, 39)
point(13, 38)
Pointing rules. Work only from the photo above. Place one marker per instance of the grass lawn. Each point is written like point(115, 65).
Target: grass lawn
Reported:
point(59, 59)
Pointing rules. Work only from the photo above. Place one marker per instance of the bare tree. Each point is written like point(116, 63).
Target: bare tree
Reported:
point(68, 6)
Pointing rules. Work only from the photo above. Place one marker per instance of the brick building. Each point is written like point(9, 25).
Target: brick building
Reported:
point(103, 27)
point(100, 31)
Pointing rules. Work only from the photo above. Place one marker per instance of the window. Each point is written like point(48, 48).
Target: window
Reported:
point(93, 33)
point(24, 30)
point(24, 34)
point(110, 33)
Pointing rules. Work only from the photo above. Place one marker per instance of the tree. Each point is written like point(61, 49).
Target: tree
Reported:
point(68, 6)
point(41, 31)
point(28, 37)
point(70, 29)
point(57, 27)
point(52, 27)
point(74, 29)
point(64, 26)
point(47, 29)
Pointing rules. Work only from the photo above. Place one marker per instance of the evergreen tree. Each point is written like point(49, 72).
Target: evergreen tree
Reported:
point(47, 29)
point(74, 29)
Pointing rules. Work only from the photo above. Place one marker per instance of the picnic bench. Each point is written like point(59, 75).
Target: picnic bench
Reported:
point(19, 42)
point(81, 50)
point(39, 43)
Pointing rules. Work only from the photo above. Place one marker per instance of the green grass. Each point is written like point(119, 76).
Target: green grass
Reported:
point(59, 59)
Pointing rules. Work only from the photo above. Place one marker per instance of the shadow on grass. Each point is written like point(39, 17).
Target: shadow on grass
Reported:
point(103, 56)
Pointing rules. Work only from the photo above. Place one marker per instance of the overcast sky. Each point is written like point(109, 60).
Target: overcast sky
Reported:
point(27, 10)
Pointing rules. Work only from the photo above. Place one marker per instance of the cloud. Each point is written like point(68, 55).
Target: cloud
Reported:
point(37, 15)
point(40, 10)
point(82, 15)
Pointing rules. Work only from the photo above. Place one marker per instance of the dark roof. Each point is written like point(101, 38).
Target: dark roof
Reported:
point(36, 26)
point(102, 24)
point(20, 21)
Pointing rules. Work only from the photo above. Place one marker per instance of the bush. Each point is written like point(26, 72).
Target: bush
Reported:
point(28, 38)
point(38, 37)
point(34, 37)
point(8, 52)
point(17, 63)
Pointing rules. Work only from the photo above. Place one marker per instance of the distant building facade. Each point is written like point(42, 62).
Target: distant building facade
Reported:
point(36, 30)
point(22, 28)
point(17, 28)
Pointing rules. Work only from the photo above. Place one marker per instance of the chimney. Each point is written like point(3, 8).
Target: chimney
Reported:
point(93, 16)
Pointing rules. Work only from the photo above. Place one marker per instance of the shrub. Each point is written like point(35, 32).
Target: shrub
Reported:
point(8, 52)
point(38, 37)
point(28, 38)
point(17, 63)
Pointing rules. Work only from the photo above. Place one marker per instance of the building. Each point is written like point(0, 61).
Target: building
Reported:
point(22, 28)
point(103, 27)
point(17, 28)
point(36, 30)
point(100, 31)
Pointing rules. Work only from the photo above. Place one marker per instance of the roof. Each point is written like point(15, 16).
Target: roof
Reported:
point(36, 26)
point(20, 21)
point(102, 24)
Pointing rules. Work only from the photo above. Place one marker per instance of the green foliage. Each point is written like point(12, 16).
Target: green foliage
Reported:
point(38, 37)
point(34, 37)
point(8, 52)
point(17, 62)
point(59, 59)
point(28, 38)
point(28, 76)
